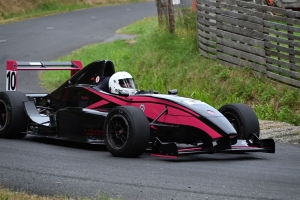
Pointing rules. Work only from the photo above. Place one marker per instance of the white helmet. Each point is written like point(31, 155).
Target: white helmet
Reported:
point(121, 81)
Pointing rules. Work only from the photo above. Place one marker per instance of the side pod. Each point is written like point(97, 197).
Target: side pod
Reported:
point(33, 114)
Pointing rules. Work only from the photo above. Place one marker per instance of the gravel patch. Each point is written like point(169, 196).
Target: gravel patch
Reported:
point(280, 131)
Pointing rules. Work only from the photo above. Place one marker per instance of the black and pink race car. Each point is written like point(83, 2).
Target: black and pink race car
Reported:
point(127, 124)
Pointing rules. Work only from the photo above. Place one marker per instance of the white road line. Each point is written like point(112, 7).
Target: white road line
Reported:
point(2, 41)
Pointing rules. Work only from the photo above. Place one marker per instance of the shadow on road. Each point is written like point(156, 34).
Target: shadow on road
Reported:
point(65, 143)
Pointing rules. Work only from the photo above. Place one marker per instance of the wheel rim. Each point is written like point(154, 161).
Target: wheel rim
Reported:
point(235, 122)
point(3, 115)
point(118, 132)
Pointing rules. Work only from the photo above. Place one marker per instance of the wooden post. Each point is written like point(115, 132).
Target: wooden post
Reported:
point(171, 16)
point(159, 12)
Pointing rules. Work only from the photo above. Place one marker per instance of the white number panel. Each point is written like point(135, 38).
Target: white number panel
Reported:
point(11, 80)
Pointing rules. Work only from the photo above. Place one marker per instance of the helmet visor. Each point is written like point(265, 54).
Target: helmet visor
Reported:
point(127, 83)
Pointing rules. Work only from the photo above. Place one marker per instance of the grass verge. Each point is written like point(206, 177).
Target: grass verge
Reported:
point(6, 194)
point(161, 61)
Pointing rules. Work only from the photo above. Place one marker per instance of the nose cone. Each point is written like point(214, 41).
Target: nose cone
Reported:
point(222, 123)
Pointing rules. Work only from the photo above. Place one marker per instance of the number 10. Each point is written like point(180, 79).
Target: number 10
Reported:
point(11, 80)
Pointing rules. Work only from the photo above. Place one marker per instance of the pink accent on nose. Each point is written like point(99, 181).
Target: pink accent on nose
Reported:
point(98, 104)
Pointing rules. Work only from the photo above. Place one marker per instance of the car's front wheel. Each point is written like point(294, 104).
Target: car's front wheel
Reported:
point(243, 119)
point(126, 131)
point(13, 119)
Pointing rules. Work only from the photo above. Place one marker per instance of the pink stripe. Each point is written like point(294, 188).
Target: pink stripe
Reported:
point(189, 149)
point(164, 156)
point(98, 104)
point(177, 114)
point(50, 68)
point(138, 100)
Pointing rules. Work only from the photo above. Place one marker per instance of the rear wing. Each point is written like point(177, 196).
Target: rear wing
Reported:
point(13, 66)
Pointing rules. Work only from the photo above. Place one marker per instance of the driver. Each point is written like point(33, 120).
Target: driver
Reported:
point(122, 81)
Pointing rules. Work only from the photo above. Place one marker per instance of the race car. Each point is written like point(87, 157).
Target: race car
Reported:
point(127, 121)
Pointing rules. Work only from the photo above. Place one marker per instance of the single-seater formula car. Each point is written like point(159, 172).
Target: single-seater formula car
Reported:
point(128, 121)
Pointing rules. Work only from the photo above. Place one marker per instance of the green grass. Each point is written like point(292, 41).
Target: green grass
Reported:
point(6, 194)
point(161, 61)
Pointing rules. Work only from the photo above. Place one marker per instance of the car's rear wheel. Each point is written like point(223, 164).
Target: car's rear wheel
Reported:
point(13, 119)
point(243, 119)
point(126, 131)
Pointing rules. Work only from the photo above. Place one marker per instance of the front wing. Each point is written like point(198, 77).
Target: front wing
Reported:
point(172, 150)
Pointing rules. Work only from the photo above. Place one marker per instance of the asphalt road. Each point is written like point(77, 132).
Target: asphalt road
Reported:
point(51, 167)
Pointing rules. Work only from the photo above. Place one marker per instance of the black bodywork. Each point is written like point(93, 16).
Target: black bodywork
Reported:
point(78, 111)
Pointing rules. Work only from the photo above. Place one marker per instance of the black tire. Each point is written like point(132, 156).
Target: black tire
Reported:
point(13, 119)
point(243, 119)
point(126, 131)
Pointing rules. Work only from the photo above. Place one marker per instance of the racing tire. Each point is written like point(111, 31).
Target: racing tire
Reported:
point(126, 131)
point(13, 119)
point(243, 119)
